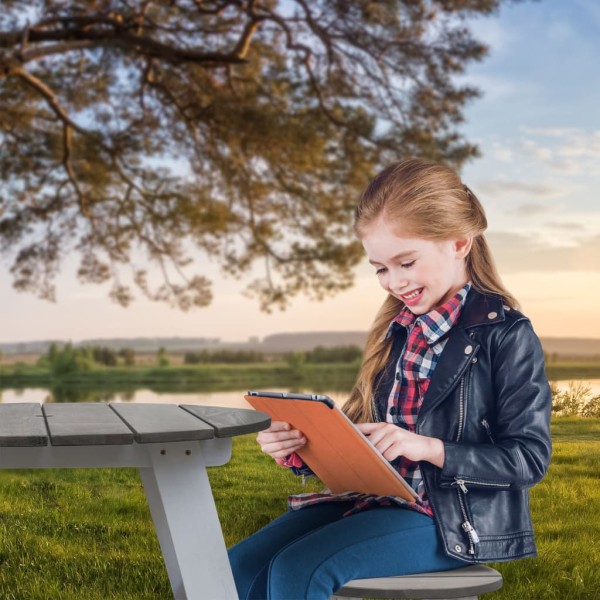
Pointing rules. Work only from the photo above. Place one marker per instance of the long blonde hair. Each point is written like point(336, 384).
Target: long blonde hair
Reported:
point(431, 202)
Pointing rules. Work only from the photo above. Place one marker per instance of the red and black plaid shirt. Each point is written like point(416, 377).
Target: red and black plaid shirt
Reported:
point(414, 369)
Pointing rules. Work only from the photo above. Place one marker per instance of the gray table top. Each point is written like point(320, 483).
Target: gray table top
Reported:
point(82, 424)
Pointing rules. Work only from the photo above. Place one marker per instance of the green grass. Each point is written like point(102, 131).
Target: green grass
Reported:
point(72, 534)
point(573, 370)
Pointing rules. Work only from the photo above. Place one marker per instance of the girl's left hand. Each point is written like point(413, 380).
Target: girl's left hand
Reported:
point(393, 441)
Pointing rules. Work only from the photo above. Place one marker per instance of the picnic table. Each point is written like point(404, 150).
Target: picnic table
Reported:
point(170, 445)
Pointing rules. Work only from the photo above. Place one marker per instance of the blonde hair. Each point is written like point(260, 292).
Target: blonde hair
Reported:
point(431, 202)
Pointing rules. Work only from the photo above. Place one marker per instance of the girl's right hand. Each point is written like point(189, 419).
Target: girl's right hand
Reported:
point(280, 440)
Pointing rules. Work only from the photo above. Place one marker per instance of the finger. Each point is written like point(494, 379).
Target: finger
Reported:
point(279, 426)
point(368, 428)
point(287, 452)
point(289, 443)
point(266, 437)
point(391, 452)
point(377, 435)
point(287, 446)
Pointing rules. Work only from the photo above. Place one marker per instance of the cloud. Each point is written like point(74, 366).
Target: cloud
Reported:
point(566, 226)
point(566, 150)
point(498, 187)
point(532, 210)
point(518, 253)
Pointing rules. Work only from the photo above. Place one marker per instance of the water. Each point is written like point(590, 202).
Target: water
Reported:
point(232, 399)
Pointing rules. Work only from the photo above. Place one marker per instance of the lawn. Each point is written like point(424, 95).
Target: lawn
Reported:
point(73, 534)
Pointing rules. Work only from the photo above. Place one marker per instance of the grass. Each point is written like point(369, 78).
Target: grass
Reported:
point(573, 370)
point(72, 534)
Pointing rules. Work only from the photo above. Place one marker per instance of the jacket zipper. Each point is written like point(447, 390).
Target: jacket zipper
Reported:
point(461, 409)
point(488, 429)
point(466, 524)
point(462, 488)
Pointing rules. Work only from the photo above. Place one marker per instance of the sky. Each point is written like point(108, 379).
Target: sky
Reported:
point(538, 129)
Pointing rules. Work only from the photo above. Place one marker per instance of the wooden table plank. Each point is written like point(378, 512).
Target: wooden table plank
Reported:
point(82, 424)
point(22, 424)
point(162, 423)
point(228, 422)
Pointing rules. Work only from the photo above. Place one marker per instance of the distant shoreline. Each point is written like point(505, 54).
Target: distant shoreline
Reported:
point(227, 376)
point(555, 348)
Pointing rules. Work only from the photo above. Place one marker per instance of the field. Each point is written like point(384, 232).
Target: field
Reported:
point(73, 534)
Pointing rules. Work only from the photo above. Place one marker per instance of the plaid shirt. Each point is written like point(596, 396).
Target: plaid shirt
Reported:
point(426, 338)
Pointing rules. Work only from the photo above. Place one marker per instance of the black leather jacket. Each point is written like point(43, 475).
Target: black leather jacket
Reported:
point(490, 402)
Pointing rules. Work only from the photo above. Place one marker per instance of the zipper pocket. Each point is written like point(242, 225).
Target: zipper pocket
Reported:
point(460, 482)
point(488, 430)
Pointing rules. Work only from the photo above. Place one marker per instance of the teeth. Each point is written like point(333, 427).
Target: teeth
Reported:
point(413, 295)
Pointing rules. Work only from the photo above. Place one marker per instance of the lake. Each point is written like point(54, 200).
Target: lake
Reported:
point(234, 399)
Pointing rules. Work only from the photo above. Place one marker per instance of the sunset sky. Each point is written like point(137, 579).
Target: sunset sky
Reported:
point(538, 128)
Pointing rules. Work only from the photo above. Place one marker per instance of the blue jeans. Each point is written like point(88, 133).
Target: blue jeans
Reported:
point(310, 553)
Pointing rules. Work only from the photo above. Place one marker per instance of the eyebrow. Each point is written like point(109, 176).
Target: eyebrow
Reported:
point(397, 257)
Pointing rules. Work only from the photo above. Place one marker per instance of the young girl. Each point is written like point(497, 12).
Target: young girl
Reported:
point(451, 390)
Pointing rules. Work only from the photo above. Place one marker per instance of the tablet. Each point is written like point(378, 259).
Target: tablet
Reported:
point(336, 451)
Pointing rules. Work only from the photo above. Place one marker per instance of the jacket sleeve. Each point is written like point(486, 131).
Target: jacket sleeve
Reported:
point(521, 453)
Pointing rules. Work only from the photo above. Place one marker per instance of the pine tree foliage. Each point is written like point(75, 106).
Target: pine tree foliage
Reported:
point(147, 137)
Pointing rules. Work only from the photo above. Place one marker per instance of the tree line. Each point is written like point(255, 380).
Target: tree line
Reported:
point(70, 359)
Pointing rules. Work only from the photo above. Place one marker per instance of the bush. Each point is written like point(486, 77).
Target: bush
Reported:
point(68, 359)
point(223, 356)
point(576, 400)
point(334, 354)
point(162, 358)
point(128, 356)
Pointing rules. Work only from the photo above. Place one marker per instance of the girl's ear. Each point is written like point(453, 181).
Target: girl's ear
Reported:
point(462, 247)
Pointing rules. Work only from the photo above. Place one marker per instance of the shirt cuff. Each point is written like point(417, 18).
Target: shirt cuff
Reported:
point(292, 460)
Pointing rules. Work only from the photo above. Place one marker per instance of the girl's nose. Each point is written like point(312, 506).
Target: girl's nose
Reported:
point(397, 282)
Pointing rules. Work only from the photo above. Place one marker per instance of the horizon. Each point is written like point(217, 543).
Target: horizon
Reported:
point(250, 339)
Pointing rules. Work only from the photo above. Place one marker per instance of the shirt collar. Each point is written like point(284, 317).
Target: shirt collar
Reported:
point(437, 322)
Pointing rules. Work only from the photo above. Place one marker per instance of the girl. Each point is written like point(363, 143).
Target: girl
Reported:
point(451, 390)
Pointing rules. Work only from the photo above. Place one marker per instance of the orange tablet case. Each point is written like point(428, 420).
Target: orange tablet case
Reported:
point(338, 453)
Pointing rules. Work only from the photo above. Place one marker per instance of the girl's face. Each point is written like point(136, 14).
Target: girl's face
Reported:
point(421, 273)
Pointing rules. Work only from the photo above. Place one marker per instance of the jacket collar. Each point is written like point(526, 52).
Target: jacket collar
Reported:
point(481, 309)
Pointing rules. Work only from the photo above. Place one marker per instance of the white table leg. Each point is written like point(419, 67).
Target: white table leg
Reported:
point(186, 522)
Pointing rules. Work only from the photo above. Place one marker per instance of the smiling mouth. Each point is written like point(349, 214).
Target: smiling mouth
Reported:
point(412, 294)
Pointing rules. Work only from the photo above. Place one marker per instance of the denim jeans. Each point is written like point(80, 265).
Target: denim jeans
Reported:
point(310, 553)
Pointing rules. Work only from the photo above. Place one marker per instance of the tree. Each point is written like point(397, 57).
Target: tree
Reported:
point(162, 357)
point(140, 133)
point(128, 356)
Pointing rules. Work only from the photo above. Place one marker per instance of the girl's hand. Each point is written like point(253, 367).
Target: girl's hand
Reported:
point(280, 440)
point(393, 441)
